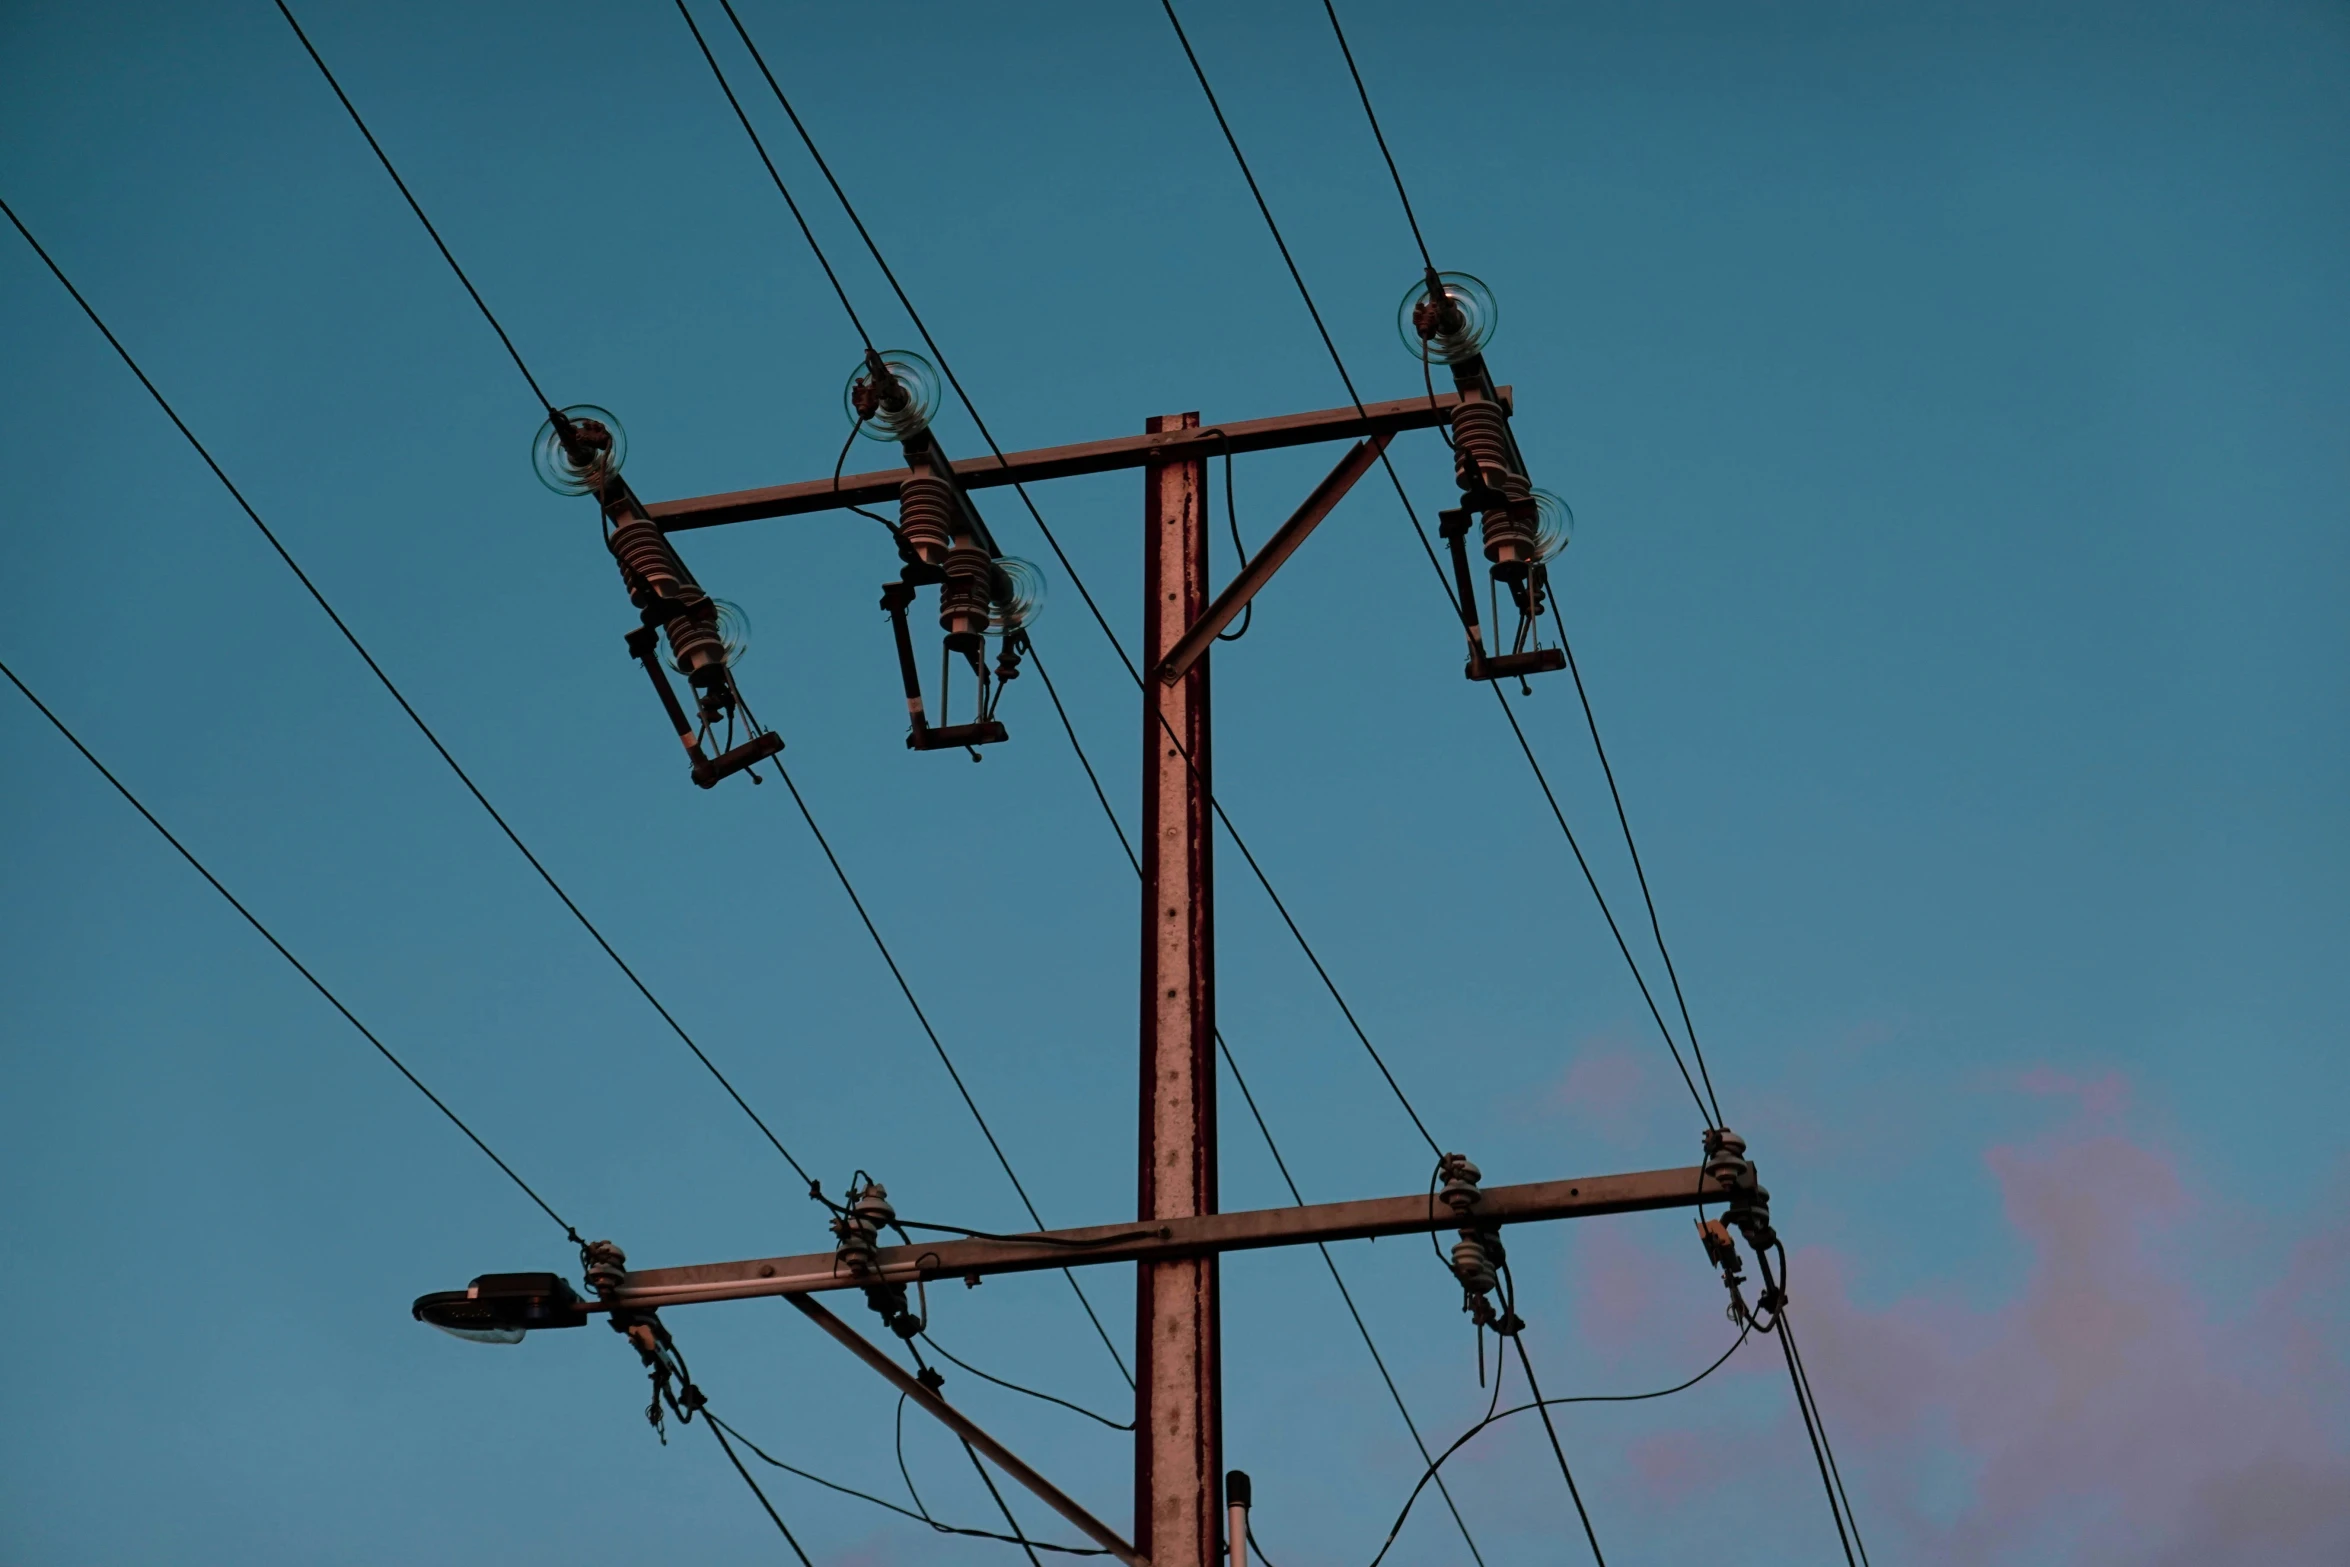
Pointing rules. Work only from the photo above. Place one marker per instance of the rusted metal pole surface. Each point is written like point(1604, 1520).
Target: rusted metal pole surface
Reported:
point(1178, 1423)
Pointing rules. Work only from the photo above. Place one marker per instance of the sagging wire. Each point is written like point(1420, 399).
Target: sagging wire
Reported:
point(842, 461)
point(1248, 611)
point(1266, 1132)
point(879, 1501)
point(953, 1359)
point(1411, 512)
point(760, 61)
point(1656, 929)
point(1077, 580)
point(1463, 1440)
point(285, 952)
point(945, 1060)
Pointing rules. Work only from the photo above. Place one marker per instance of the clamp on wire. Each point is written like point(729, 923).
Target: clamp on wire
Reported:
point(1747, 1210)
point(606, 1266)
point(858, 1228)
point(1478, 1256)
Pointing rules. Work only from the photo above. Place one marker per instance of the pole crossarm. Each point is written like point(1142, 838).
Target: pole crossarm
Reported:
point(1061, 462)
point(1586, 1197)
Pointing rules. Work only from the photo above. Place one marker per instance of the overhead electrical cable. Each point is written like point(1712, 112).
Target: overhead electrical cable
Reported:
point(1688, 1026)
point(1656, 928)
point(946, 368)
point(970, 1103)
point(414, 717)
point(1279, 1163)
point(1273, 227)
point(784, 191)
point(945, 1060)
point(1491, 1419)
point(770, 1459)
point(285, 952)
point(414, 206)
point(1379, 135)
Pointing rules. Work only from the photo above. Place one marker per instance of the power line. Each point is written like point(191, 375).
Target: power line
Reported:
point(284, 952)
point(1380, 136)
point(945, 1060)
point(1305, 294)
point(770, 1459)
point(1656, 929)
point(953, 1359)
point(1835, 1474)
point(1491, 1418)
point(1266, 1132)
point(1605, 912)
point(446, 255)
point(1548, 1429)
point(414, 717)
point(781, 189)
point(946, 369)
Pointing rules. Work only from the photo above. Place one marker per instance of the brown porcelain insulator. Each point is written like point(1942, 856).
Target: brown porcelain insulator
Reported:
point(926, 519)
point(647, 564)
point(965, 596)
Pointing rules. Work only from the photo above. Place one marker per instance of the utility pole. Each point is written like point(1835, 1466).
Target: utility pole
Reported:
point(986, 599)
point(1178, 1418)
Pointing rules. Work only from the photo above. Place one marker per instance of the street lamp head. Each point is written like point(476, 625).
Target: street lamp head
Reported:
point(499, 1308)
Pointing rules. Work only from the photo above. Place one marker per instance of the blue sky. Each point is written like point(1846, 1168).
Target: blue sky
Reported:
point(1952, 400)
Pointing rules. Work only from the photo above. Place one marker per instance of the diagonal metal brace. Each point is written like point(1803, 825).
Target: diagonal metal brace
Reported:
point(1278, 548)
point(962, 1425)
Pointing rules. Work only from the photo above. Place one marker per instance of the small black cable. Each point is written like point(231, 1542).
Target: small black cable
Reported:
point(1474, 1431)
point(728, 1448)
point(954, 1359)
point(1248, 611)
point(446, 255)
point(945, 1060)
point(282, 951)
point(772, 1461)
point(1378, 135)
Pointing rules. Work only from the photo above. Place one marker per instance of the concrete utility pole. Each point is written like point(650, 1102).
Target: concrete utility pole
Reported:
point(1178, 1415)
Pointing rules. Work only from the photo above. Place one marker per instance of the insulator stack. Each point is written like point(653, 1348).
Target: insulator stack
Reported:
point(926, 519)
point(860, 1227)
point(694, 643)
point(965, 597)
point(1512, 529)
point(648, 565)
point(1481, 443)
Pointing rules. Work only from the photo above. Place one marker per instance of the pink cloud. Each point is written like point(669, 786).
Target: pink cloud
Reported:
point(2105, 1410)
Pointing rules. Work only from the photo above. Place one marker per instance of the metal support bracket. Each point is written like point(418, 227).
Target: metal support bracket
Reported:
point(963, 1426)
point(1283, 544)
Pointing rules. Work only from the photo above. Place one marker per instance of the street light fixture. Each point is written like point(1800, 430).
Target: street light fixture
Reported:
point(499, 1308)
